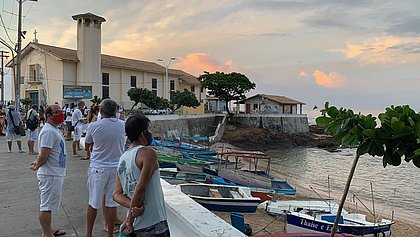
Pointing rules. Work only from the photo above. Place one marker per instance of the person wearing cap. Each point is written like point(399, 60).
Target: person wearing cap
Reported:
point(13, 119)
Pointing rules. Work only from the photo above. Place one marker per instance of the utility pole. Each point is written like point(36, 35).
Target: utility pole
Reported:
point(18, 58)
point(19, 54)
point(3, 55)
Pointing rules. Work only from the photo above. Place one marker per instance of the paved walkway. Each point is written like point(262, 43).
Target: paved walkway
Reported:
point(19, 196)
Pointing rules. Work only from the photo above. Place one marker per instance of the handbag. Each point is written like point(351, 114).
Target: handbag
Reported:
point(71, 127)
point(19, 130)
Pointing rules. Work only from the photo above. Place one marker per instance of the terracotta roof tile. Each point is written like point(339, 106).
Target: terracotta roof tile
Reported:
point(277, 98)
point(114, 61)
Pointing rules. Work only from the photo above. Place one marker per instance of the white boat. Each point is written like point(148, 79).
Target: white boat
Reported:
point(279, 207)
point(309, 221)
point(221, 197)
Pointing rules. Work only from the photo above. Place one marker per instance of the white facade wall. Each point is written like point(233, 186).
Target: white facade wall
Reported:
point(269, 106)
point(50, 76)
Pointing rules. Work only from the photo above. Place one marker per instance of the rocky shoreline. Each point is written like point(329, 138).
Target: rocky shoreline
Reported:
point(249, 138)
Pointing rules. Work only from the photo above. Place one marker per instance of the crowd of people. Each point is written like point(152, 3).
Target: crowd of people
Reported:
point(116, 175)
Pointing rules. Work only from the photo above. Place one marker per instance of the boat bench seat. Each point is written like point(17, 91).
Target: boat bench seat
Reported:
point(331, 218)
point(235, 194)
point(215, 193)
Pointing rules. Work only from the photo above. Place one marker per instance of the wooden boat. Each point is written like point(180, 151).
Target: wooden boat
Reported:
point(321, 222)
point(191, 168)
point(177, 177)
point(221, 197)
point(277, 187)
point(175, 159)
point(280, 207)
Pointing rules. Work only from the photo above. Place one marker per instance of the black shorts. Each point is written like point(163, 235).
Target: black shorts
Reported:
point(161, 229)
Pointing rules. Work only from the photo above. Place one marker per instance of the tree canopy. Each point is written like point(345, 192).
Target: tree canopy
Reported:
point(96, 100)
point(146, 96)
point(226, 87)
point(140, 95)
point(185, 98)
point(397, 136)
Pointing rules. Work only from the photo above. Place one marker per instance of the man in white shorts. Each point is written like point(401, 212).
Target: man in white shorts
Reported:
point(32, 116)
point(108, 138)
point(51, 169)
point(77, 120)
point(13, 119)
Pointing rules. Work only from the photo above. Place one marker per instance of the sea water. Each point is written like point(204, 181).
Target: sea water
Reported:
point(394, 188)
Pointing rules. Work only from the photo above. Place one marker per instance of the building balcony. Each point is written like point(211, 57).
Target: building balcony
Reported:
point(33, 81)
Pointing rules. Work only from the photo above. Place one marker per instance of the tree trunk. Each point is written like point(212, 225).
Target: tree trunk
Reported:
point(227, 108)
point(343, 198)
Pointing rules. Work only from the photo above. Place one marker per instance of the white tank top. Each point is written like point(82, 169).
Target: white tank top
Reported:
point(154, 203)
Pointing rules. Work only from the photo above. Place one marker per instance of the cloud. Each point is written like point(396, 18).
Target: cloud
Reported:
point(329, 80)
point(407, 27)
point(384, 50)
point(303, 74)
point(197, 63)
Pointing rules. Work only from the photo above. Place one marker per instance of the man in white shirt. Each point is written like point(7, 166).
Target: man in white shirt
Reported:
point(108, 138)
point(51, 169)
point(77, 120)
point(68, 112)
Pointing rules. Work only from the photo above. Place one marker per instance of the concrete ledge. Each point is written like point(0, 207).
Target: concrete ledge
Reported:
point(188, 218)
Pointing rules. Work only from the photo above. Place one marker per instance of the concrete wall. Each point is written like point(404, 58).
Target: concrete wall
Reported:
point(175, 126)
point(188, 218)
point(295, 123)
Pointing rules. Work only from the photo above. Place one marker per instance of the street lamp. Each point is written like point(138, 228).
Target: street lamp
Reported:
point(166, 73)
point(19, 53)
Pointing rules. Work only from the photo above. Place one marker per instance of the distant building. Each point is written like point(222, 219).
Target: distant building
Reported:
point(271, 104)
point(51, 73)
point(214, 105)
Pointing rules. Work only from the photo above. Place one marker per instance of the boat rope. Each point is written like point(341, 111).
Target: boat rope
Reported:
point(386, 204)
point(264, 229)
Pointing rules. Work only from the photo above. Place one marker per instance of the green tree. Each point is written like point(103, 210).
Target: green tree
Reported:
point(140, 95)
point(226, 87)
point(96, 100)
point(185, 98)
point(156, 102)
point(26, 102)
point(396, 137)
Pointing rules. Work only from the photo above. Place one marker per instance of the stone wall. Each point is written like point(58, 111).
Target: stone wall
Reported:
point(295, 123)
point(175, 126)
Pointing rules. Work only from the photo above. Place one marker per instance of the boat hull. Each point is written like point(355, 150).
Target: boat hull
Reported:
point(296, 223)
point(227, 205)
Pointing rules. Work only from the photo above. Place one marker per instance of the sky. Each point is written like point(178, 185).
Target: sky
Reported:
point(358, 54)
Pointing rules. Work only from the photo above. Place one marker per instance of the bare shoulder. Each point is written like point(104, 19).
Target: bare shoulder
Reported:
point(147, 152)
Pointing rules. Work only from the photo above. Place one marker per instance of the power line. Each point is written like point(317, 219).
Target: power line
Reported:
point(5, 30)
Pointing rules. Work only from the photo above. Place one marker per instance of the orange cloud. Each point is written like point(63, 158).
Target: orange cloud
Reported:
point(303, 74)
point(384, 50)
point(197, 63)
point(329, 80)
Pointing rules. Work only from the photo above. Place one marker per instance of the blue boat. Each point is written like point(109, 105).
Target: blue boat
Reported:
point(277, 186)
point(321, 222)
point(221, 197)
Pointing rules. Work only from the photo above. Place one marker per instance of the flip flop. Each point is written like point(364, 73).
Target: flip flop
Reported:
point(116, 231)
point(77, 155)
point(59, 232)
point(85, 158)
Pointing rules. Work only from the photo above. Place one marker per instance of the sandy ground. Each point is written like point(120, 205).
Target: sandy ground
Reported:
point(262, 223)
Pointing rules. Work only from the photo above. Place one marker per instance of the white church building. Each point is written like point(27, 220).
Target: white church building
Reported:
point(51, 73)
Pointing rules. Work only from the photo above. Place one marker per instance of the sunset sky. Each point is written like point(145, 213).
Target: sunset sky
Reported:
point(361, 54)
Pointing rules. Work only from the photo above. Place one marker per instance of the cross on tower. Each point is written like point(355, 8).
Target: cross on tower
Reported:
point(35, 39)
